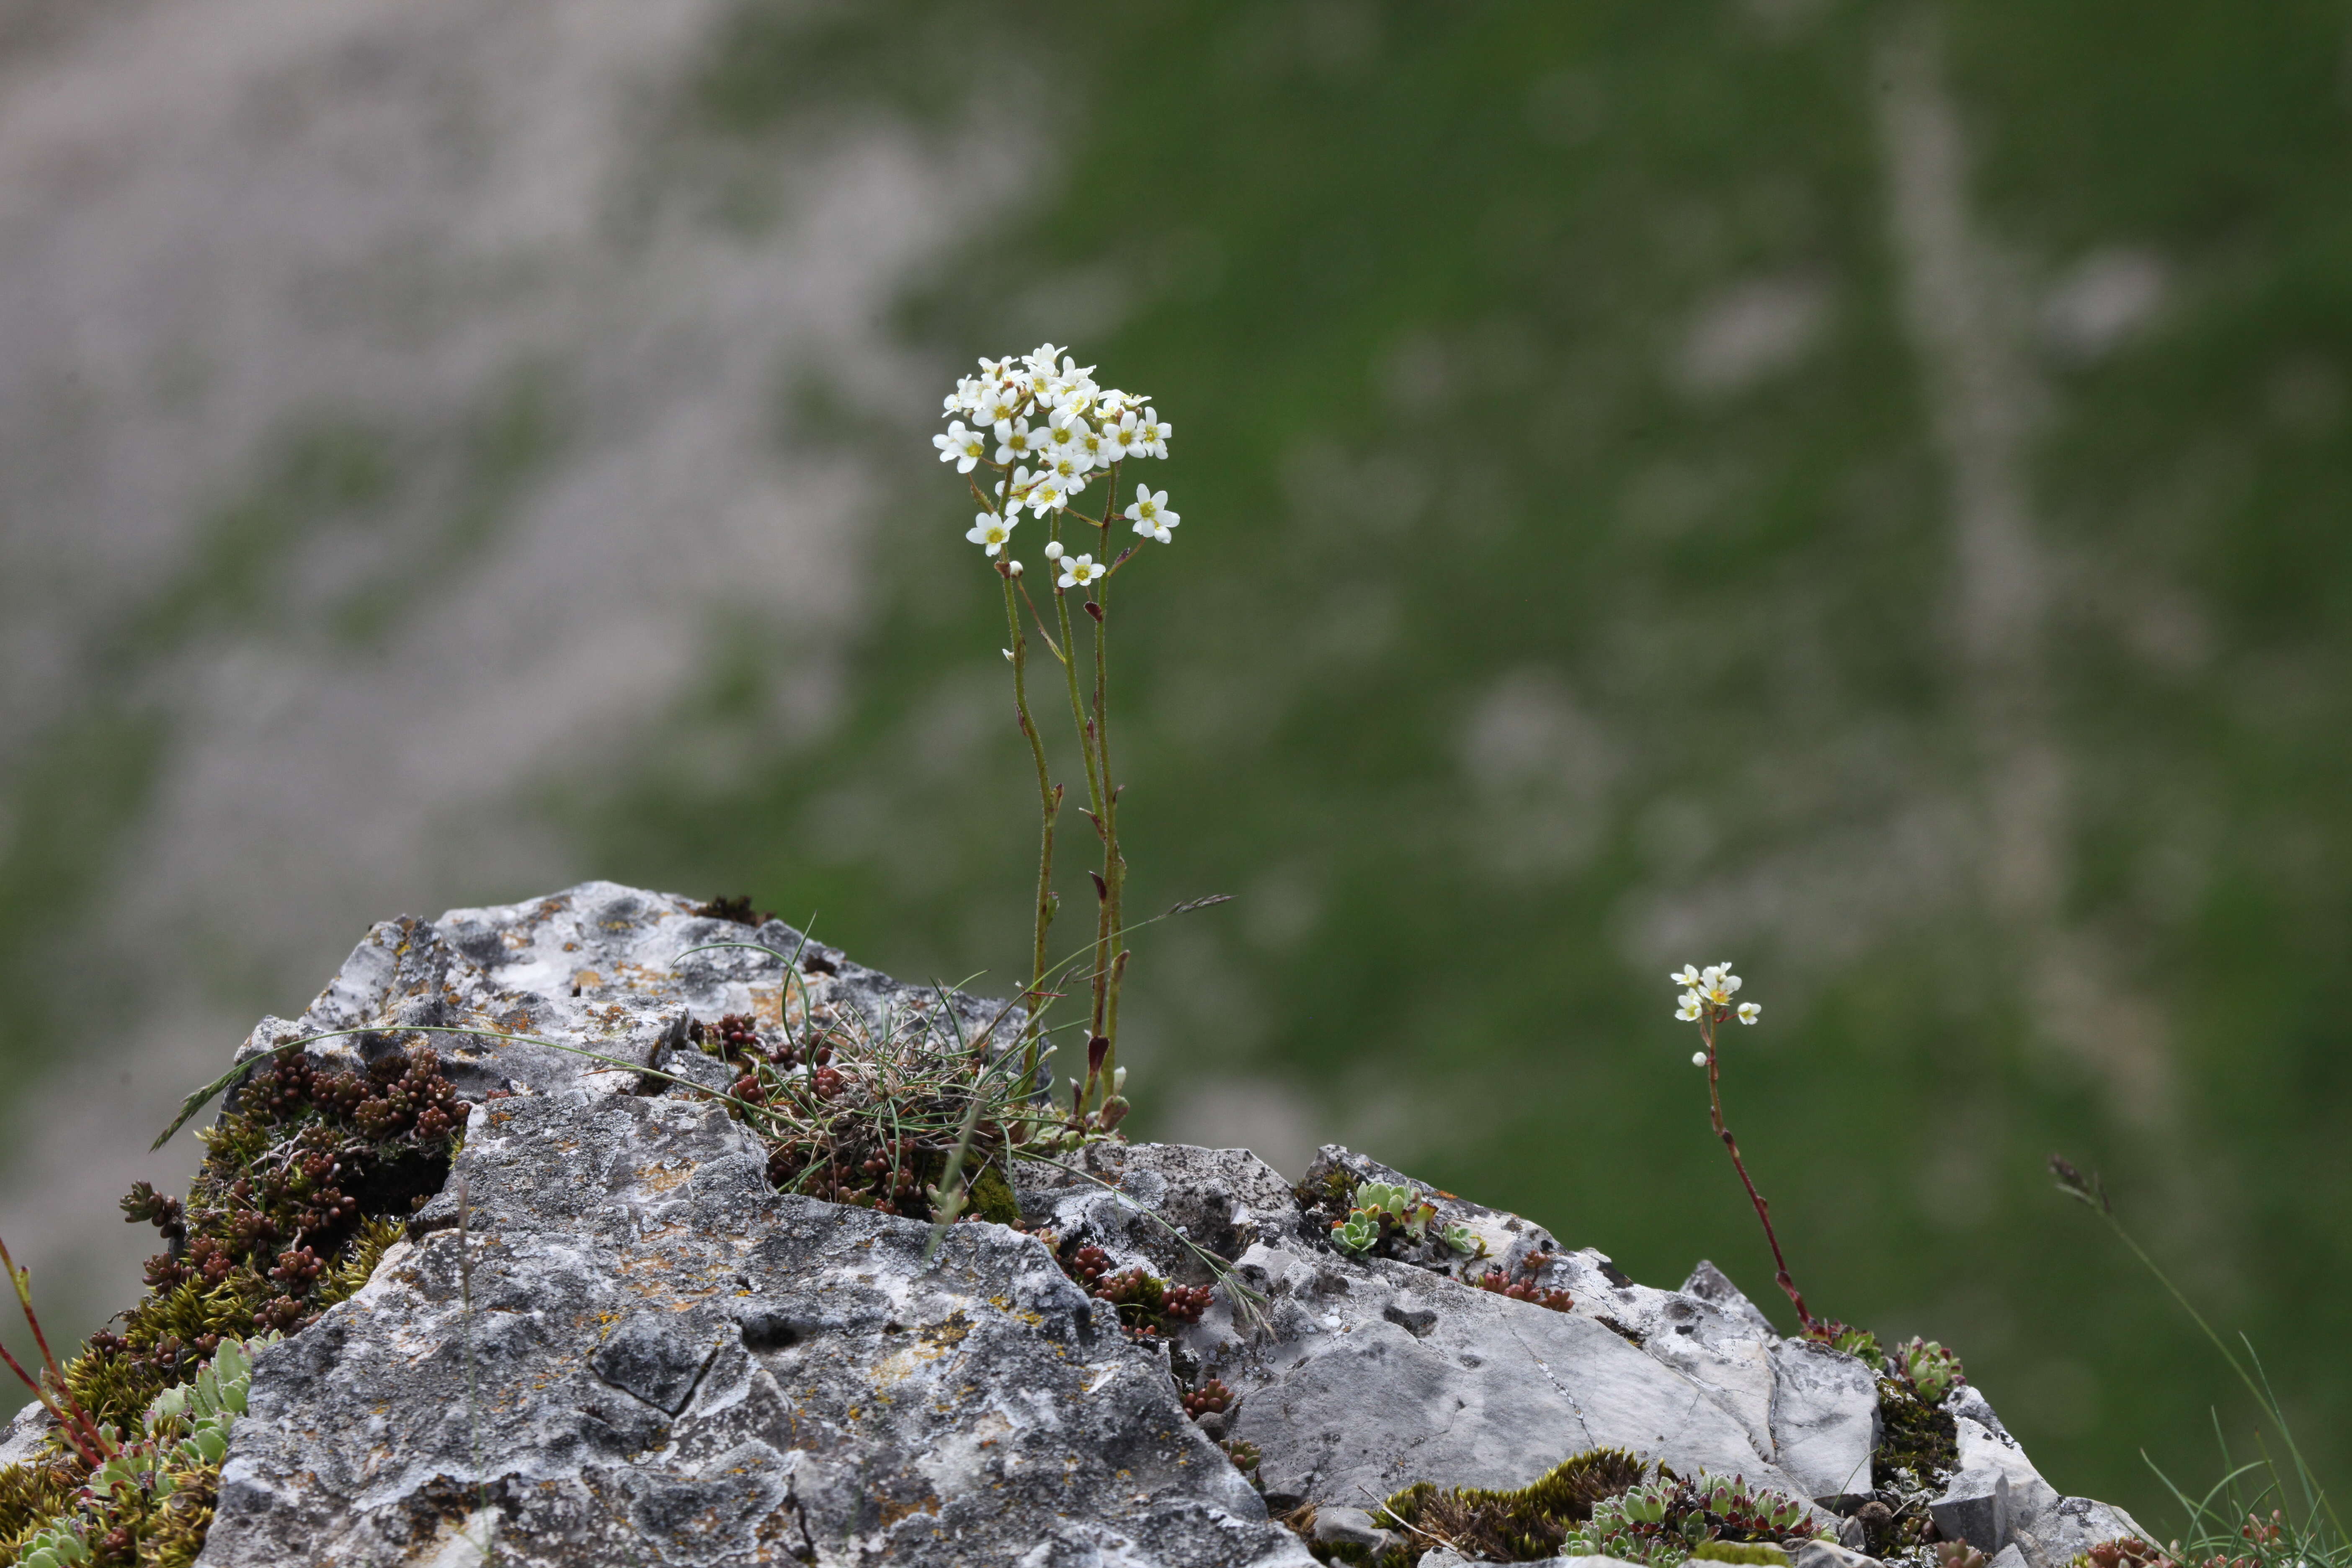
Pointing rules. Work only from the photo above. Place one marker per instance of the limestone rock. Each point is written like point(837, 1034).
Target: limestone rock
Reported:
point(1829, 1554)
point(2051, 1529)
point(1349, 1527)
point(1359, 1377)
point(22, 1440)
point(1711, 1285)
point(609, 1338)
point(1825, 1417)
point(1974, 1509)
point(635, 1348)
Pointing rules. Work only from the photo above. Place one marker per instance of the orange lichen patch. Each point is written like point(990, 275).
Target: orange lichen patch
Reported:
point(583, 979)
point(638, 977)
point(900, 1365)
point(661, 1179)
point(892, 1512)
point(768, 1005)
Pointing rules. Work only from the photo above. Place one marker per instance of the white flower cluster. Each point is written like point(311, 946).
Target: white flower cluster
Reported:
point(1051, 428)
point(1710, 990)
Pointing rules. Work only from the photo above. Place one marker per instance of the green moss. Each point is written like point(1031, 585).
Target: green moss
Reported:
point(152, 1500)
point(1522, 1526)
point(30, 1494)
point(1914, 1434)
point(993, 1198)
point(305, 1182)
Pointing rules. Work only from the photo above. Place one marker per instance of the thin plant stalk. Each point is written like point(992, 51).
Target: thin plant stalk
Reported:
point(1106, 827)
point(80, 1428)
point(1706, 1023)
point(1049, 806)
point(1109, 965)
point(1098, 793)
point(2092, 1193)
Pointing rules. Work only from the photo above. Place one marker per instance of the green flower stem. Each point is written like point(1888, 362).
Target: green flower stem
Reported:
point(1095, 797)
point(1049, 800)
point(1077, 708)
point(1049, 806)
point(1109, 965)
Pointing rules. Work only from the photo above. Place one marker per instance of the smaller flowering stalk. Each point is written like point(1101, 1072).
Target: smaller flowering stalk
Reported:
point(1707, 1001)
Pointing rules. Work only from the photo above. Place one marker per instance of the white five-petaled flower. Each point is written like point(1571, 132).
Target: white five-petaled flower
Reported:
point(1150, 514)
point(1015, 441)
point(1152, 434)
point(960, 446)
point(1001, 403)
point(1077, 571)
point(1069, 469)
point(1716, 982)
point(1063, 432)
point(1074, 383)
point(1046, 495)
point(1041, 359)
point(990, 531)
point(1117, 433)
point(956, 402)
point(1707, 993)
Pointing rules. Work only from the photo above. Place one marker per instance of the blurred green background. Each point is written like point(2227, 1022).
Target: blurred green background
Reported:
point(1857, 490)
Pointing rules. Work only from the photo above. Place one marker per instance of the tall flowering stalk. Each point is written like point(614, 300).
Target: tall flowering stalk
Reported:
point(1707, 1002)
point(1042, 429)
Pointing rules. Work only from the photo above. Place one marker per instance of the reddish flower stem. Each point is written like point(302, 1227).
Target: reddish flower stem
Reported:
point(1707, 1021)
point(80, 1429)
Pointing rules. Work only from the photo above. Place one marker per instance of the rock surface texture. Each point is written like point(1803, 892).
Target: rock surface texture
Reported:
point(609, 1340)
